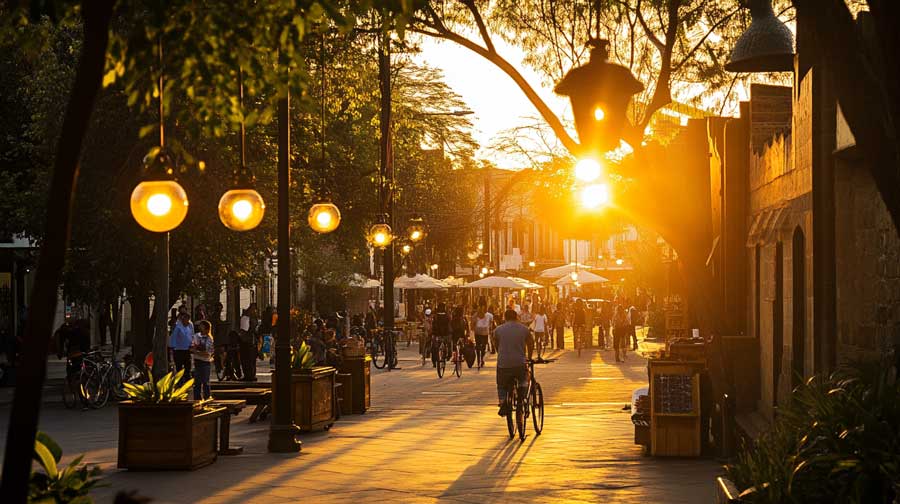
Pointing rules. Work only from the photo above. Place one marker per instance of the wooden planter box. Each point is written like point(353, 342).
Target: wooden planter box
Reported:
point(313, 398)
point(167, 436)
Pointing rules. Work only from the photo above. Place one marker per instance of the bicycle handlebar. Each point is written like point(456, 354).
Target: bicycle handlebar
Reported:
point(540, 361)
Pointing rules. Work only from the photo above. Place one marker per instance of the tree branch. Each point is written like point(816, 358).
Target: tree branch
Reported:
point(693, 50)
point(652, 36)
point(552, 120)
point(479, 21)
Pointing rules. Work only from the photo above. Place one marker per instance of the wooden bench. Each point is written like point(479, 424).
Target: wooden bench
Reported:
point(261, 398)
point(238, 384)
point(232, 407)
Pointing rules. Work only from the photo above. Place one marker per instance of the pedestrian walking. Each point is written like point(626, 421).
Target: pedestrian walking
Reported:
point(633, 320)
point(180, 342)
point(484, 320)
point(266, 329)
point(247, 335)
point(559, 326)
point(202, 350)
point(539, 326)
point(620, 333)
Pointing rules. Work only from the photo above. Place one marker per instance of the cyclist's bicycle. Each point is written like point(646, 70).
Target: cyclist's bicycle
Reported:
point(520, 405)
point(582, 336)
point(442, 351)
point(458, 358)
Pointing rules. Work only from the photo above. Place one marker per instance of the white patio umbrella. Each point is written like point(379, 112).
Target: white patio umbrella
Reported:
point(363, 282)
point(453, 281)
point(584, 278)
point(527, 284)
point(420, 281)
point(565, 269)
point(494, 282)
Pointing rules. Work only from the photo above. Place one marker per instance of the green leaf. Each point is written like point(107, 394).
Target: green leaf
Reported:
point(51, 445)
point(46, 459)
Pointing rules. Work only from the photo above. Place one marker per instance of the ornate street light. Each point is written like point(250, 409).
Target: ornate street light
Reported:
point(380, 235)
point(242, 208)
point(416, 229)
point(324, 217)
point(406, 249)
point(159, 203)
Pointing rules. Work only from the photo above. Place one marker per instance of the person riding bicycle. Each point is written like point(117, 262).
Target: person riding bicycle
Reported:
point(459, 328)
point(511, 360)
point(579, 318)
point(440, 332)
point(73, 341)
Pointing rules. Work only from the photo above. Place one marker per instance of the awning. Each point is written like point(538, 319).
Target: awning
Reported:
point(767, 224)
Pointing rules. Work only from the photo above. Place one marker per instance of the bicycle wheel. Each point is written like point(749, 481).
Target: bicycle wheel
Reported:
point(578, 343)
point(441, 363)
point(510, 401)
point(133, 375)
point(114, 379)
point(378, 356)
point(94, 389)
point(520, 416)
point(537, 408)
point(69, 392)
point(457, 364)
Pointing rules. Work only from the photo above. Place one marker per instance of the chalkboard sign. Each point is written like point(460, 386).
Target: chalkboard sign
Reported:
point(673, 393)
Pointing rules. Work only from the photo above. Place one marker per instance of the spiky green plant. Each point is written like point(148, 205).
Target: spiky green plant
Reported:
point(165, 390)
point(53, 485)
point(838, 440)
point(303, 357)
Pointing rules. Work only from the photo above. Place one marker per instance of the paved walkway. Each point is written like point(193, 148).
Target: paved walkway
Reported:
point(428, 440)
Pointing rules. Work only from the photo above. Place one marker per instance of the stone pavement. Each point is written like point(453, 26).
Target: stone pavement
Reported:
point(426, 440)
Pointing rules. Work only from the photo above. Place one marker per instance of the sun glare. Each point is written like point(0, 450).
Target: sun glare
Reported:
point(587, 170)
point(595, 196)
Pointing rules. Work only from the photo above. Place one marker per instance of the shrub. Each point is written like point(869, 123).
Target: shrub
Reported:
point(165, 390)
point(837, 441)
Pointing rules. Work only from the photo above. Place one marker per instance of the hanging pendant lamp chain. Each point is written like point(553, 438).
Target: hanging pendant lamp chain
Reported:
point(162, 134)
point(322, 118)
point(243, 166)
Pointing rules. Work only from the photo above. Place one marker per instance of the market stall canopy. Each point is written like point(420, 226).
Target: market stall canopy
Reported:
point(495, 282)
point(563, 270)
point(584, 278)
point(420, 281)
point(526, 284)
point(363, 282)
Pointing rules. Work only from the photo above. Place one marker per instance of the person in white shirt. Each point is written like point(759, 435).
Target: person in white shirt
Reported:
point(484, 322)
point(539, 326)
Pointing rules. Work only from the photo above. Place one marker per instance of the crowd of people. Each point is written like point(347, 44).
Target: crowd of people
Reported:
point(474, 326)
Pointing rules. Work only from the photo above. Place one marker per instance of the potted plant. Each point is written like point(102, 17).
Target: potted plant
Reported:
point(312, 389)
point(160, 429)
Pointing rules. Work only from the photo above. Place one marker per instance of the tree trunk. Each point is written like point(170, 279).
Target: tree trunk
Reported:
point(25, 413)
point(140, 332)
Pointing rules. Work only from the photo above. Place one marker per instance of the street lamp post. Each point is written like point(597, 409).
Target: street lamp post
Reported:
point(387, 175)
point(282, 430)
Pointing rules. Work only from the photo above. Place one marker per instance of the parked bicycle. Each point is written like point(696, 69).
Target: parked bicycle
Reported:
point(383, 349)
point(530, 403)
point(102, 377)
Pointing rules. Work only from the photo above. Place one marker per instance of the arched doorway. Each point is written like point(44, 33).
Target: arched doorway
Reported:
point(778, 321)
point(798, 336)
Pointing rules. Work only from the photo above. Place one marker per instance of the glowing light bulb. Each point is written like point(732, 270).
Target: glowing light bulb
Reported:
point(531, 264)
point(242, 209)
point(159, 204)
point(599, 114)
point(324, 219)
point(484, 271)
point(415, 235)
point(619, 262)
point(588, 170)
point(380, 238)
point(574, 276)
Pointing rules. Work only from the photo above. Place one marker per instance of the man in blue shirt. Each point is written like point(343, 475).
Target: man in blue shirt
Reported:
point(511, 361)
point(180, 342)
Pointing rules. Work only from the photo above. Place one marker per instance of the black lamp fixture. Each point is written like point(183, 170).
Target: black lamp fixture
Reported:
point(766, 46)
point(324, 216)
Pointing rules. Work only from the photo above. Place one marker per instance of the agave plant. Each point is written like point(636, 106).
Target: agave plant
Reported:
point(56, 485)
point(165, 390)
point(303, 357)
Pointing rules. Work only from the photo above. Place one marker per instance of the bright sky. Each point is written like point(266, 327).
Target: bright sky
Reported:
point(496, 100)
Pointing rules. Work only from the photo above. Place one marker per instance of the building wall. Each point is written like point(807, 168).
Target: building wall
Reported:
point(868, 266)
